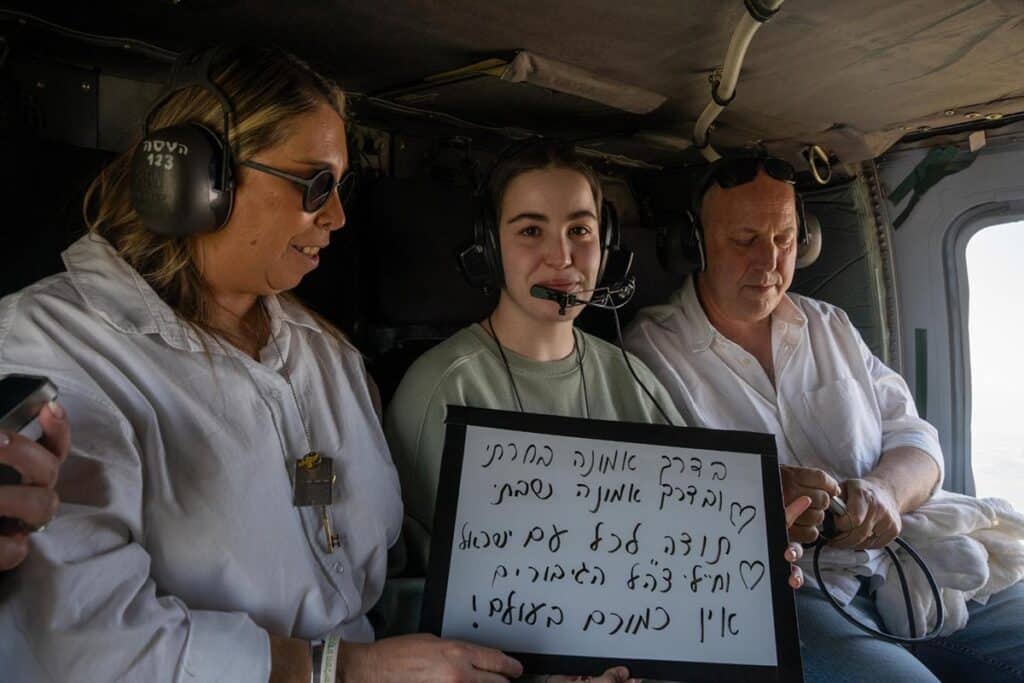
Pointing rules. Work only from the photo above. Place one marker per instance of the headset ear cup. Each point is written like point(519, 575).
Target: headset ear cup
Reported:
point(809, 249)
point(492, 251)
point(611, 231)
point(475, 260)
point(175, 181)
point(698, 236)
point(473, 265)
point(801, 219)
point(222, 195)
point(691, 244)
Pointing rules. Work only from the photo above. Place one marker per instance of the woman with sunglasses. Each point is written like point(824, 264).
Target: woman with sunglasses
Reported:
point(229, 500)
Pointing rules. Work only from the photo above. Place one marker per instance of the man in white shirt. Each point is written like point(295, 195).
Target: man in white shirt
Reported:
point(737, 352)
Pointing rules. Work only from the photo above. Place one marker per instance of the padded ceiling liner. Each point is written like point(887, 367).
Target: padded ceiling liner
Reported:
point(855, 76)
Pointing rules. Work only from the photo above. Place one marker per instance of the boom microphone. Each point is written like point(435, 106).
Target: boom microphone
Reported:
point(564, 299)
point(612, 297)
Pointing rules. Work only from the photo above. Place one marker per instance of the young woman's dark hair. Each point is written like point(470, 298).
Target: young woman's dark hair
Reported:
point(536, 155)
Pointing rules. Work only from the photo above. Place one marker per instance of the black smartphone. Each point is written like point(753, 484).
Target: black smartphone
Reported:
point(22, 397)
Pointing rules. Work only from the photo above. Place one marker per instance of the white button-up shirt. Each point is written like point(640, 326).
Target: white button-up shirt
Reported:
point(177, 547)
point(835, 406)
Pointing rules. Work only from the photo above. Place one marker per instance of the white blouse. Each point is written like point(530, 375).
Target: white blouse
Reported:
point(176, 547)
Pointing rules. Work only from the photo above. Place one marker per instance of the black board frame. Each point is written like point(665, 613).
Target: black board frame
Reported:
point(789, 667)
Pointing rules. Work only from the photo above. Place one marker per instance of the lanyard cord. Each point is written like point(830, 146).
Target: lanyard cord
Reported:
point(508, 368)
point(288, 379)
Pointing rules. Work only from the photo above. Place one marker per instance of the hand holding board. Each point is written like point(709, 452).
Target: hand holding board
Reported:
point(575, 545)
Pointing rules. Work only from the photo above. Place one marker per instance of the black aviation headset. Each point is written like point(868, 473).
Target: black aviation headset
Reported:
point(182, 176)
point(481, 261)
point(182, 180)
point(728, 173)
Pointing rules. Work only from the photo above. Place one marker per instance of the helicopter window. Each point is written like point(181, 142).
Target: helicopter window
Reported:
point(995, 328)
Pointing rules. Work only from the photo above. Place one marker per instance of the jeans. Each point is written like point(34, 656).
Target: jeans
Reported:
point(988, 650)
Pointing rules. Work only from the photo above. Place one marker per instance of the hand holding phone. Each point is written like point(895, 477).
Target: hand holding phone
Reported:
point(28, 470)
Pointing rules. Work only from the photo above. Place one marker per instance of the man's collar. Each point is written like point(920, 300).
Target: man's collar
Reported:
point(119, 295)
point(789, 312)
point(698, 333)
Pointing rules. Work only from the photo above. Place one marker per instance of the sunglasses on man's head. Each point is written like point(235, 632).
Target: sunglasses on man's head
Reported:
point(729, 173)
point(316, 190)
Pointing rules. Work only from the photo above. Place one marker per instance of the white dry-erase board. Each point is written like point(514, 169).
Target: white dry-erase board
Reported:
point(575, 545)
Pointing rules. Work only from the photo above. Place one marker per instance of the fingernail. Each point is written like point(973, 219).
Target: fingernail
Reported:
point(56, 410)
point(790, 554)
point(4, 440)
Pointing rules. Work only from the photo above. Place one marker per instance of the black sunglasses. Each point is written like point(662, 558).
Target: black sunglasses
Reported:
point(316, 190)
point(729, 173)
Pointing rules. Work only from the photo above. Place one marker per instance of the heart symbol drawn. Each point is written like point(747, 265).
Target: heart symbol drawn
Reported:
point(738, 512)
point(750, 570)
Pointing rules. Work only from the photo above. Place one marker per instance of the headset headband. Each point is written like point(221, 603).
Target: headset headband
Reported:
point(193, 69)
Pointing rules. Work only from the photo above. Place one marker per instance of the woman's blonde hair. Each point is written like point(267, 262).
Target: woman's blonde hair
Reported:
point(268, 88)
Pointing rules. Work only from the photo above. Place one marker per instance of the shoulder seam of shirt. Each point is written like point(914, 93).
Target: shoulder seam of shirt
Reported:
point(66, 385)
point(657, 315)
point(7, 322)
point(610, 349)
point(15, 301)
point(830, 312)
point(452, 367)
point(818, 304)
point(70, 386)
point(344, 344)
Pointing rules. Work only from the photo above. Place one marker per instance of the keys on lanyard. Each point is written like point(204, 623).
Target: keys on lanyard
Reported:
point(314, 487)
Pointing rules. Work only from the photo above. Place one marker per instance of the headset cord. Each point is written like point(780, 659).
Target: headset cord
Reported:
point(504, 359)
point(511, 378)
point(625, 356)
point(583, 375)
